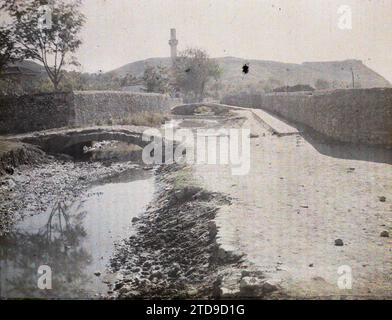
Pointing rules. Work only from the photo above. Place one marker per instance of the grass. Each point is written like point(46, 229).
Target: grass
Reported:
point(145, 118)
point(183, 178)
point(203, 110)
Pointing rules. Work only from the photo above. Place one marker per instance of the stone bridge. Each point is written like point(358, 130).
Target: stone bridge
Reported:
point(61, 141)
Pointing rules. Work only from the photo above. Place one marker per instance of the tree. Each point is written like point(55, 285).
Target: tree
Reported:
point(156, 79)
point(192, 71)
point(129, 80)
point(9, 52)
point(51, 44)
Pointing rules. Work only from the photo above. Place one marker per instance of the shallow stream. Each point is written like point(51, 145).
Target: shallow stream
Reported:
point(75, 240)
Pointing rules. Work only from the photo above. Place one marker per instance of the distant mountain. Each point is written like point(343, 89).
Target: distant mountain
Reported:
point(336, 73)
point(261, 72)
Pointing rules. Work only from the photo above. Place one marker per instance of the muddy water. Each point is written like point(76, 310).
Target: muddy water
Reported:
point(75, 240)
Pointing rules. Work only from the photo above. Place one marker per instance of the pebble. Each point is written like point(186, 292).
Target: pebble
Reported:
point(9, 170)
point(384, 234)
point(339, 242)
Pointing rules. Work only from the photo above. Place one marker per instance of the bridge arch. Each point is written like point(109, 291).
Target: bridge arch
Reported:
point(60, 141)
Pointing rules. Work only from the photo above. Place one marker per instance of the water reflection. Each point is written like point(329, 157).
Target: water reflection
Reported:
point(58, 245)
point(75, 240)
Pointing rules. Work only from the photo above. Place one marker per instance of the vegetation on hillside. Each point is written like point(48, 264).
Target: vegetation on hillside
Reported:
point(9, 52)
point(71, 80)
point(157, 79)
point(193, 70)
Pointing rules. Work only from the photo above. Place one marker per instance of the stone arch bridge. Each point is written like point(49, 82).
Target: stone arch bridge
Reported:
point(61, 141)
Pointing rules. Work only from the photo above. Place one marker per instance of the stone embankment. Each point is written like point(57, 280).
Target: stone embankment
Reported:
point(79, 108)
point(360, 116)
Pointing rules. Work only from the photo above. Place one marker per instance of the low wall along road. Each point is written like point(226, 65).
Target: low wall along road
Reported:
point(361, 116)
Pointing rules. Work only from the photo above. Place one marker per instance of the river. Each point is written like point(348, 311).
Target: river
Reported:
point(75, 240)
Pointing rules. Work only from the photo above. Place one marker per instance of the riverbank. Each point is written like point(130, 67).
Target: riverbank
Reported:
point(174, 253)
point(14, 154)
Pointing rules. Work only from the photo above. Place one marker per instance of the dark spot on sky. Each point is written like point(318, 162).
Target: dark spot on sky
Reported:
point(245, 68)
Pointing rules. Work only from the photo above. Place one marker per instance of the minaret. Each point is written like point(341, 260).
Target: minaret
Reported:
point(173, 42)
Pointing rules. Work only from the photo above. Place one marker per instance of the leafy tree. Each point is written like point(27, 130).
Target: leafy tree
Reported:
point(9, 52)
point(192, 71)
point(156, 79)
point(51, 44)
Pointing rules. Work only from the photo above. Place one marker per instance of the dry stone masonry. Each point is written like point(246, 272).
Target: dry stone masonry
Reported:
point(357, 116)
point(79, 108)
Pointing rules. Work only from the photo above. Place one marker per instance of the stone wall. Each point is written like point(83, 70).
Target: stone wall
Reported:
point(80, 108)
point(99, 106)
point(358, 116)
point(35, 112)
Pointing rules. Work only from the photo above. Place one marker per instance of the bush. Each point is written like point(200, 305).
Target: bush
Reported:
point(146, 118)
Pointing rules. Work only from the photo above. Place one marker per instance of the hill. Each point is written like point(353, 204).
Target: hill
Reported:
point(271, 73)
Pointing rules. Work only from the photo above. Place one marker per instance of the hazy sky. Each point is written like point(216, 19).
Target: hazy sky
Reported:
point(121, 31)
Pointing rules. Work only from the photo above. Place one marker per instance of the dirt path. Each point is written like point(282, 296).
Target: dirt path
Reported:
point(288, 211)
